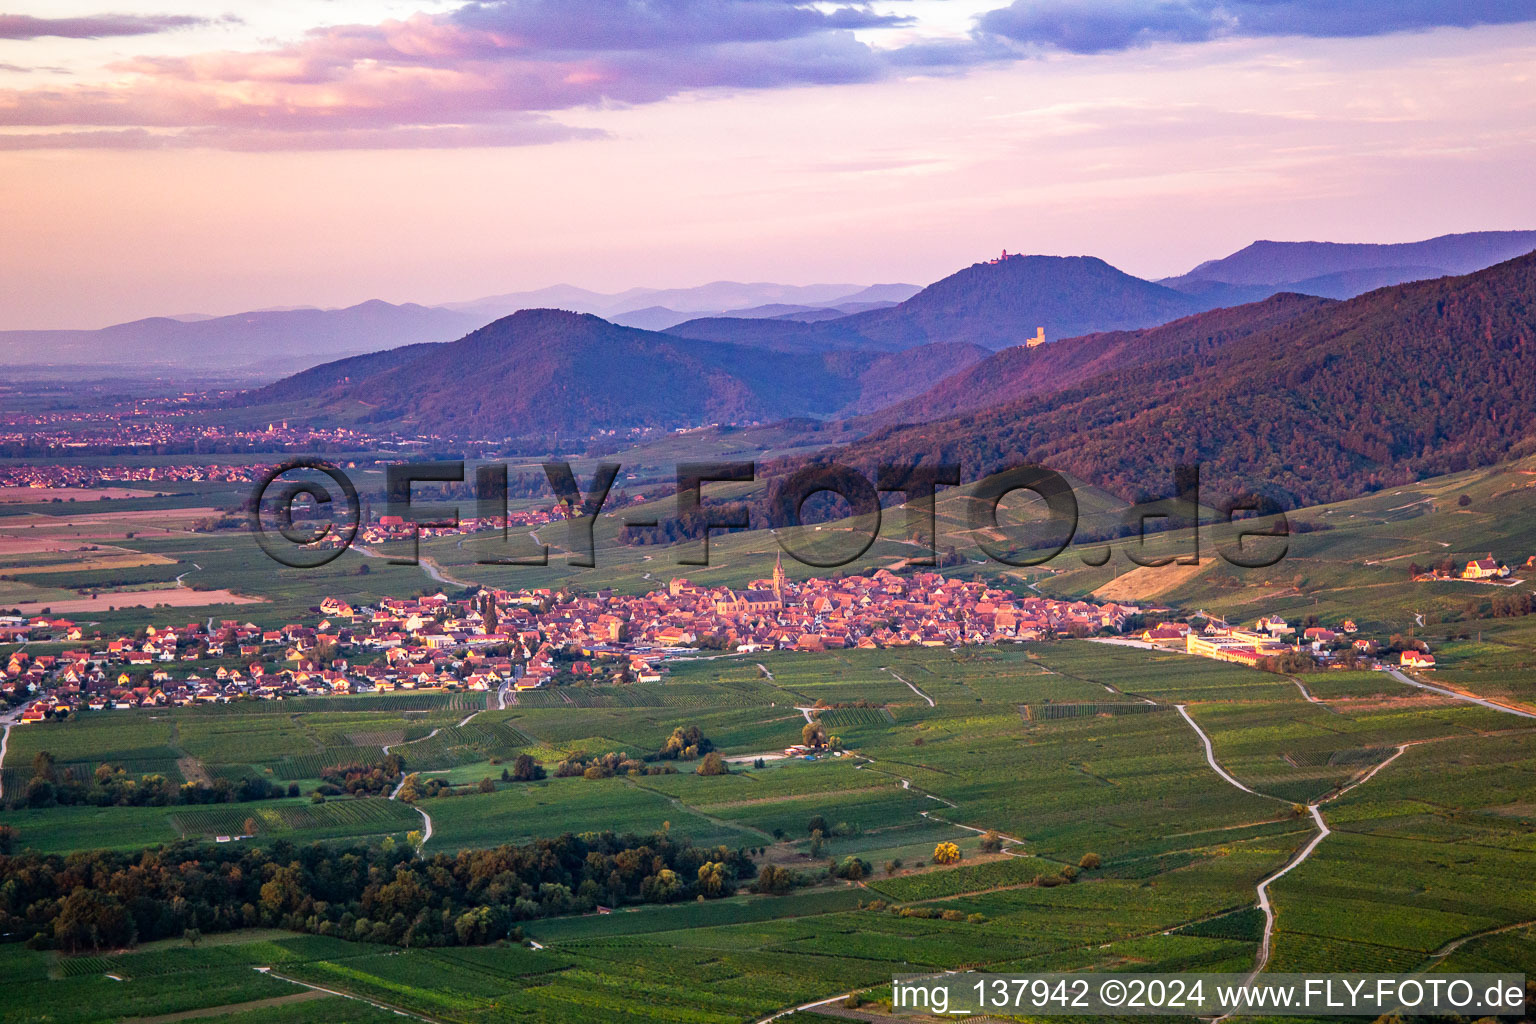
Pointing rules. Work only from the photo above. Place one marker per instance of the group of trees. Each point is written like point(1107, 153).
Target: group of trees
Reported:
point(384, 893)
point(524, 769)
point(687, 743)
point(111, 786)
point(814, 734)
point(606, 766)
point(362, 779)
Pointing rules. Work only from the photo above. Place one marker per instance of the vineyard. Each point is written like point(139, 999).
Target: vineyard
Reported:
point(1051, 712)
point(349, 817)
point(1054, 744)
point(844, 718)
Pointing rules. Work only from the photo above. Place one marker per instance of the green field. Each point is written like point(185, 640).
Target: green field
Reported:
point(1065, 748)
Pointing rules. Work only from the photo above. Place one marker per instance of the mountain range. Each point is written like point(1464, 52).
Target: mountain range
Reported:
point(543, 372)
point(996, 304)
point(1340, 270)
point(1311, 399)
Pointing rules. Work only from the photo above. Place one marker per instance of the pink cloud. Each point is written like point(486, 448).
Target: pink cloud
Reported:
point(489, 66)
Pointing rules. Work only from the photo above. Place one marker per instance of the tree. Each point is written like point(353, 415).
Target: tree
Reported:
point(991, 842)
point(192, 936)
point(1464, 500)
point(7, 840)
point(813, 734)
point(773, 880)
point(487, 785)
point(946, 853)
point(526, 769)
point(1091, 862)
point(43, 767)
point(250, 826)
point(712, 878)
point(92, 918)
point(852, 868)
point(415, 839)
point(713, 764)
point(686, 743)
point(816, 824)
point(410, 789)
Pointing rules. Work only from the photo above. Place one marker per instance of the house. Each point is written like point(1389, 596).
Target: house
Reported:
point(1484, 568)
point(1276, 626)
point(1416, 659)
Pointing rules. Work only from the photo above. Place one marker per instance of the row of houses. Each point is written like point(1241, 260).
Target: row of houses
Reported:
point(527, 639)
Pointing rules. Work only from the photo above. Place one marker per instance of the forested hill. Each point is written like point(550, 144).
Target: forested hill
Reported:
point(1017, 372)
point(1411, 380)
point(540, 372)
point(995, 304)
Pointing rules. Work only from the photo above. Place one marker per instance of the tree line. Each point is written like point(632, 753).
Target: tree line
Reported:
point(383, 893)
point(112, 786)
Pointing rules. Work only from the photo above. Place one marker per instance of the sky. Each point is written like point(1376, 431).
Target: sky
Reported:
point(163, 157)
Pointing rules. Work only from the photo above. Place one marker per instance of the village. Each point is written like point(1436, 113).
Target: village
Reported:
point(506, 642)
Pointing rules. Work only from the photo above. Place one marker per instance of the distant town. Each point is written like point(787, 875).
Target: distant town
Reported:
point(508, 642)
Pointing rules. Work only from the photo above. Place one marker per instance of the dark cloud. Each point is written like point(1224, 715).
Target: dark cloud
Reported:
point(1101, 26)
point(97, 26)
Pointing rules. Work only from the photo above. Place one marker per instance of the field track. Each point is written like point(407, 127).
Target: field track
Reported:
point(1402, 677)
point(347, 995)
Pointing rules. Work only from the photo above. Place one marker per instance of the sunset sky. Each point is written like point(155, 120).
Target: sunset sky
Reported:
point(175, 157)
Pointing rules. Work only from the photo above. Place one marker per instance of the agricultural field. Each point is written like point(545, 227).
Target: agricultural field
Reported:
point(1040, 744)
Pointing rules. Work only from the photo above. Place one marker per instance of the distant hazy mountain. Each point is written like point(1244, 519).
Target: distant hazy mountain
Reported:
point(543, 372)
point(1342, 270)
point(660, 318)
point(995, 304)
point(273, 342)
point(256, 341)
point(642, 307)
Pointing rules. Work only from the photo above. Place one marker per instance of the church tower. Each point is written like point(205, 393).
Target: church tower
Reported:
point(778, 577)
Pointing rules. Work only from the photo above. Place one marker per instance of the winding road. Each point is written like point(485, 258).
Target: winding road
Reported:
point(1210, 753)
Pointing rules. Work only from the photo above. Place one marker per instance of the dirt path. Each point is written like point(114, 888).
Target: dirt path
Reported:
point(912, 687)
point(346, 995)
point(1402, 677)
point(428, 736)
point(1451, 947)
point(229, 1008)
point(1210, 753)
point(427, 818)
point(1266, 943)
point(5, 739)
point(1306, 692)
